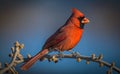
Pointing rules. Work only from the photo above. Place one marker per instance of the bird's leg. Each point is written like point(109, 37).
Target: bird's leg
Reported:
point(73, 53)
point(60, 53)
point(50, 49)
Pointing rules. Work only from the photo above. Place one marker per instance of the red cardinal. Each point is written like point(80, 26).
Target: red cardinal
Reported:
point(64, 39)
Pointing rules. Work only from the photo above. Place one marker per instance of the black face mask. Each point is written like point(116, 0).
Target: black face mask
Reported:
point(81, 24)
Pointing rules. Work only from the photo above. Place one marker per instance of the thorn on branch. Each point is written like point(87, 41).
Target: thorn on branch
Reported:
point(28, 56)
point(54, 59)
point(100, 57)
point(12, 49)
point(101, 64)
point(113, 64)
point(79, 59)
point(21, 46)
point(109, 72)
point(87, 62)
point(111, 68)
point(0, 65)
point(16, 44)
point(93, 56)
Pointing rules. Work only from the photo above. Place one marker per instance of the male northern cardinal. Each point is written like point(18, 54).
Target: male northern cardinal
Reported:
point(64, 39)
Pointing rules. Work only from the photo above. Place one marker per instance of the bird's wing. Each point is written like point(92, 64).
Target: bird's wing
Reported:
point(55, 39)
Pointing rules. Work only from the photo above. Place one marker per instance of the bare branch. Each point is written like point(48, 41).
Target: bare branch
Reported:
point(79, 57)
point(17, 58)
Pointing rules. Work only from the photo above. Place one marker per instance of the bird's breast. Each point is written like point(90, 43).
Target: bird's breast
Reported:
point(73, 35)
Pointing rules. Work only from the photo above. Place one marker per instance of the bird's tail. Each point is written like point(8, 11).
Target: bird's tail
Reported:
point(38, 56)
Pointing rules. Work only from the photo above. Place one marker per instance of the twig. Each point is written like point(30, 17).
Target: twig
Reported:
point(16, 59)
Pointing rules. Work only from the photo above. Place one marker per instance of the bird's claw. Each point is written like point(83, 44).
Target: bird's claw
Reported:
point(50, 49)
point(75, 54)
point(61, 55)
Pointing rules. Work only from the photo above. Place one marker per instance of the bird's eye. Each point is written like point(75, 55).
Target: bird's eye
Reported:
point(81, 18)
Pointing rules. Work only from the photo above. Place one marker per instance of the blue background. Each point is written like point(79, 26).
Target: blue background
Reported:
point(32, 22)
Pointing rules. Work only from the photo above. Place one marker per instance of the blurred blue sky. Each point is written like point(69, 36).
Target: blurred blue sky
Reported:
point(32, 22)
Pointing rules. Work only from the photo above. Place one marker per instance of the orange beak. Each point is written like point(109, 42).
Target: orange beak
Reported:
point(85, 21)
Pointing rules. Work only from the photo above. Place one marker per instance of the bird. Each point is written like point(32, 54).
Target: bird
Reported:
point(64, 39)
